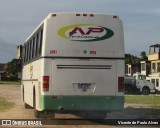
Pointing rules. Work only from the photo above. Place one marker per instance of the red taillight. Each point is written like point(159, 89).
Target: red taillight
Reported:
point(77, 14)
point(91, 15)
point(53, 14)
point(120, 84)
point(45, 83)
point(84, 14)
point(114, 17)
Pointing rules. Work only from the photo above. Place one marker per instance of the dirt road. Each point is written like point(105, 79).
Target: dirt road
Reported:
point(12, 93)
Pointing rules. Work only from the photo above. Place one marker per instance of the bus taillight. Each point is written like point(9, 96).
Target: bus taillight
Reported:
point(120, 84)
point(45, 83)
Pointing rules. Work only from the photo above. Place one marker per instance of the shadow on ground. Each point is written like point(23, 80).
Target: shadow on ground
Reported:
point(136, 113)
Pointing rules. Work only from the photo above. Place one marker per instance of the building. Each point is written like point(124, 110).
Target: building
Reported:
point(3, 71)
point(145, 68)
point(131, 69)
point(154, 57)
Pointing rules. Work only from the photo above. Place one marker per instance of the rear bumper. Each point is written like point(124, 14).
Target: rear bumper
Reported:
point(83, 103)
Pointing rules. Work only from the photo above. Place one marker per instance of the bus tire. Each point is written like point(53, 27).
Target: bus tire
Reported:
point(26, 106)
point(23, 93)
point(145, 91)
point(36, 112)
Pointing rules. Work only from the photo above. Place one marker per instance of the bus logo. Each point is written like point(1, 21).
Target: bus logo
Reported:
point(85, 32)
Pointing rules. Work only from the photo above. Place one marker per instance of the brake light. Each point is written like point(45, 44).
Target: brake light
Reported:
point(53, 15)
point(84, 14)
point(114, 17)
point(120, 84)
point(77, 14)
point(45, 83)
point(91, 15)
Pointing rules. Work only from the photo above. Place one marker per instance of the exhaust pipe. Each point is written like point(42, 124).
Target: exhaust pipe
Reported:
point(61, 108)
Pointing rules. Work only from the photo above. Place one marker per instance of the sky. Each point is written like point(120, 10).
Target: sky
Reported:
point(18, 19)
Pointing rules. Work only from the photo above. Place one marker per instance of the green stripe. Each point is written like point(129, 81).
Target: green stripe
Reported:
point(106, 103)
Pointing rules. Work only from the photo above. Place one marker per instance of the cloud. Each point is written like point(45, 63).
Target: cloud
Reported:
point(7, 51)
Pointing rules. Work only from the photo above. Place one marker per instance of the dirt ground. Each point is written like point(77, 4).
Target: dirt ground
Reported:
point(12, 93)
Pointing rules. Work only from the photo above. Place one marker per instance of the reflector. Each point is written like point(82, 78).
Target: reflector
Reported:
point(84, 14)
point(77, 14)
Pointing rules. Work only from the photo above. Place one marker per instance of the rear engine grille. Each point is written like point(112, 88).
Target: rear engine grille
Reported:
point(84, 66)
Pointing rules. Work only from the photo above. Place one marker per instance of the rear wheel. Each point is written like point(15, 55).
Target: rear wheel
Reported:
point(37, 113)
point(26, 106)
point(42, 114)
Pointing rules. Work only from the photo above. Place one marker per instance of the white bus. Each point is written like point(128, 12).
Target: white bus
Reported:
point(74, 63)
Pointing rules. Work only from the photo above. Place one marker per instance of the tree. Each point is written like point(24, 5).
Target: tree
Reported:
point(130, 59)
point(12, 69)
point(143, 56)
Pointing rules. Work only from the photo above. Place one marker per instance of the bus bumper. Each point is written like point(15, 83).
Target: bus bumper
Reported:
point(83, 103)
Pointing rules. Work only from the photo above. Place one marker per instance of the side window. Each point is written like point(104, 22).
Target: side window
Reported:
point(153, 67)
point(157, 82)
point(40, 42)
point(33, 47)
point(158, 67)
point(153, 81)
point(33, 43)
point(36, 46)
point(23, 54)
point(27, 49)
point(41, 39)
point(143, 67)
point(129, 70)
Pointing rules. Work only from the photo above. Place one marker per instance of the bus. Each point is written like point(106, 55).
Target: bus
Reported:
point(74, 63)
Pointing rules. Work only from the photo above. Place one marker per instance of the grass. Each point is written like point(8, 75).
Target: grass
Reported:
point(5, 105)
point(149, 100)
point(10, 82)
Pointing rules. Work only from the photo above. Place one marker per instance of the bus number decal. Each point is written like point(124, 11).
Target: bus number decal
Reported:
point(53, 51)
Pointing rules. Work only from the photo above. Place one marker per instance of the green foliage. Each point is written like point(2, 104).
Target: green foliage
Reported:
point(13, 69)
point(10, 82)
point(143, 56)
point(150, 100)
point(131, 59)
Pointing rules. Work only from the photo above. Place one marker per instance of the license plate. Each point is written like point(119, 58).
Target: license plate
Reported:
point(84, 85)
